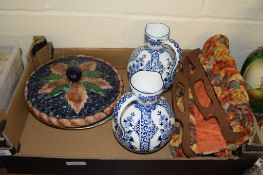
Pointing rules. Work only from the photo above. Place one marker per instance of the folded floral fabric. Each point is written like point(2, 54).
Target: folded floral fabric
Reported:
point(211, 102)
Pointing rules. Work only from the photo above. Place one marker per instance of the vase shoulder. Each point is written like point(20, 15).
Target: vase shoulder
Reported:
point(156, 60)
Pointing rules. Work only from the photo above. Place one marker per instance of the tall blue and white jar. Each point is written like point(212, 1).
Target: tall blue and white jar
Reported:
point(160, 54)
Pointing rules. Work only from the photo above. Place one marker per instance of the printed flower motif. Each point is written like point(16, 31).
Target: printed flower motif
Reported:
point(239, 95)
point(217, 45)
point(221, 50)
point(74, 80)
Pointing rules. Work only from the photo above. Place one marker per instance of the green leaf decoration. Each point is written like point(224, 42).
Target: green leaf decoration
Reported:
point(93, 74)
point(74, 63)
point(93, 88)
point(59, 90)
point(51, 77)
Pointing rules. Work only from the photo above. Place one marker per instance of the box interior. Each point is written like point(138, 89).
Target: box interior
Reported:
point(39, 140)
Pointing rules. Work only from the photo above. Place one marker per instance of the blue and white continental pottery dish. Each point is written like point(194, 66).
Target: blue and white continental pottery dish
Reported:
point(143, 122)
point(160, 54)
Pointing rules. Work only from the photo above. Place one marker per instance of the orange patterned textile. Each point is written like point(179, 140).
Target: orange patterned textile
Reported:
point(208, 133)
point(205, 133)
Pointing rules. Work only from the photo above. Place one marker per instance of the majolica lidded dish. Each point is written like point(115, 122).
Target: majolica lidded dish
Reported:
point(73, 92)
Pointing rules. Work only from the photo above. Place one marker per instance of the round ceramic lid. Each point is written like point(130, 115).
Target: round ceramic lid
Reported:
point(73, 92)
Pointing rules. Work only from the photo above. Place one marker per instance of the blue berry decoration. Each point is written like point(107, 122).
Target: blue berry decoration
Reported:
point(73, 74)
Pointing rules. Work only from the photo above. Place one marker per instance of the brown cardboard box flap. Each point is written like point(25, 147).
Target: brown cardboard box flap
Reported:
point(40, 52)
point(17, 113)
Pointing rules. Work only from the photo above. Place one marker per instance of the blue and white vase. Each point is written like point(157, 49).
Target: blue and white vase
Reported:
point(143, 122)
point(160, 54)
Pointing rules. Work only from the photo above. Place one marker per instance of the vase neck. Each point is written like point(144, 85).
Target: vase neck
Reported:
point(156, 34)
point(154, 43)
point(147, 86)
point(147, 101)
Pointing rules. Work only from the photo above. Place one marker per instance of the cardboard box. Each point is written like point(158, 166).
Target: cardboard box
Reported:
point(38, 148)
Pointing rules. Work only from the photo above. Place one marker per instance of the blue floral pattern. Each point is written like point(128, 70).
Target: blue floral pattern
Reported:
point(128, 126)
point(123, 136)
point(179, 50)
point(152, 59)
point(166, 105)
point(168, 128)
point(145, 127)
point(137, 63)
point(148, 99)
point(155, 64)
point(124, 98)
point(152, 41)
